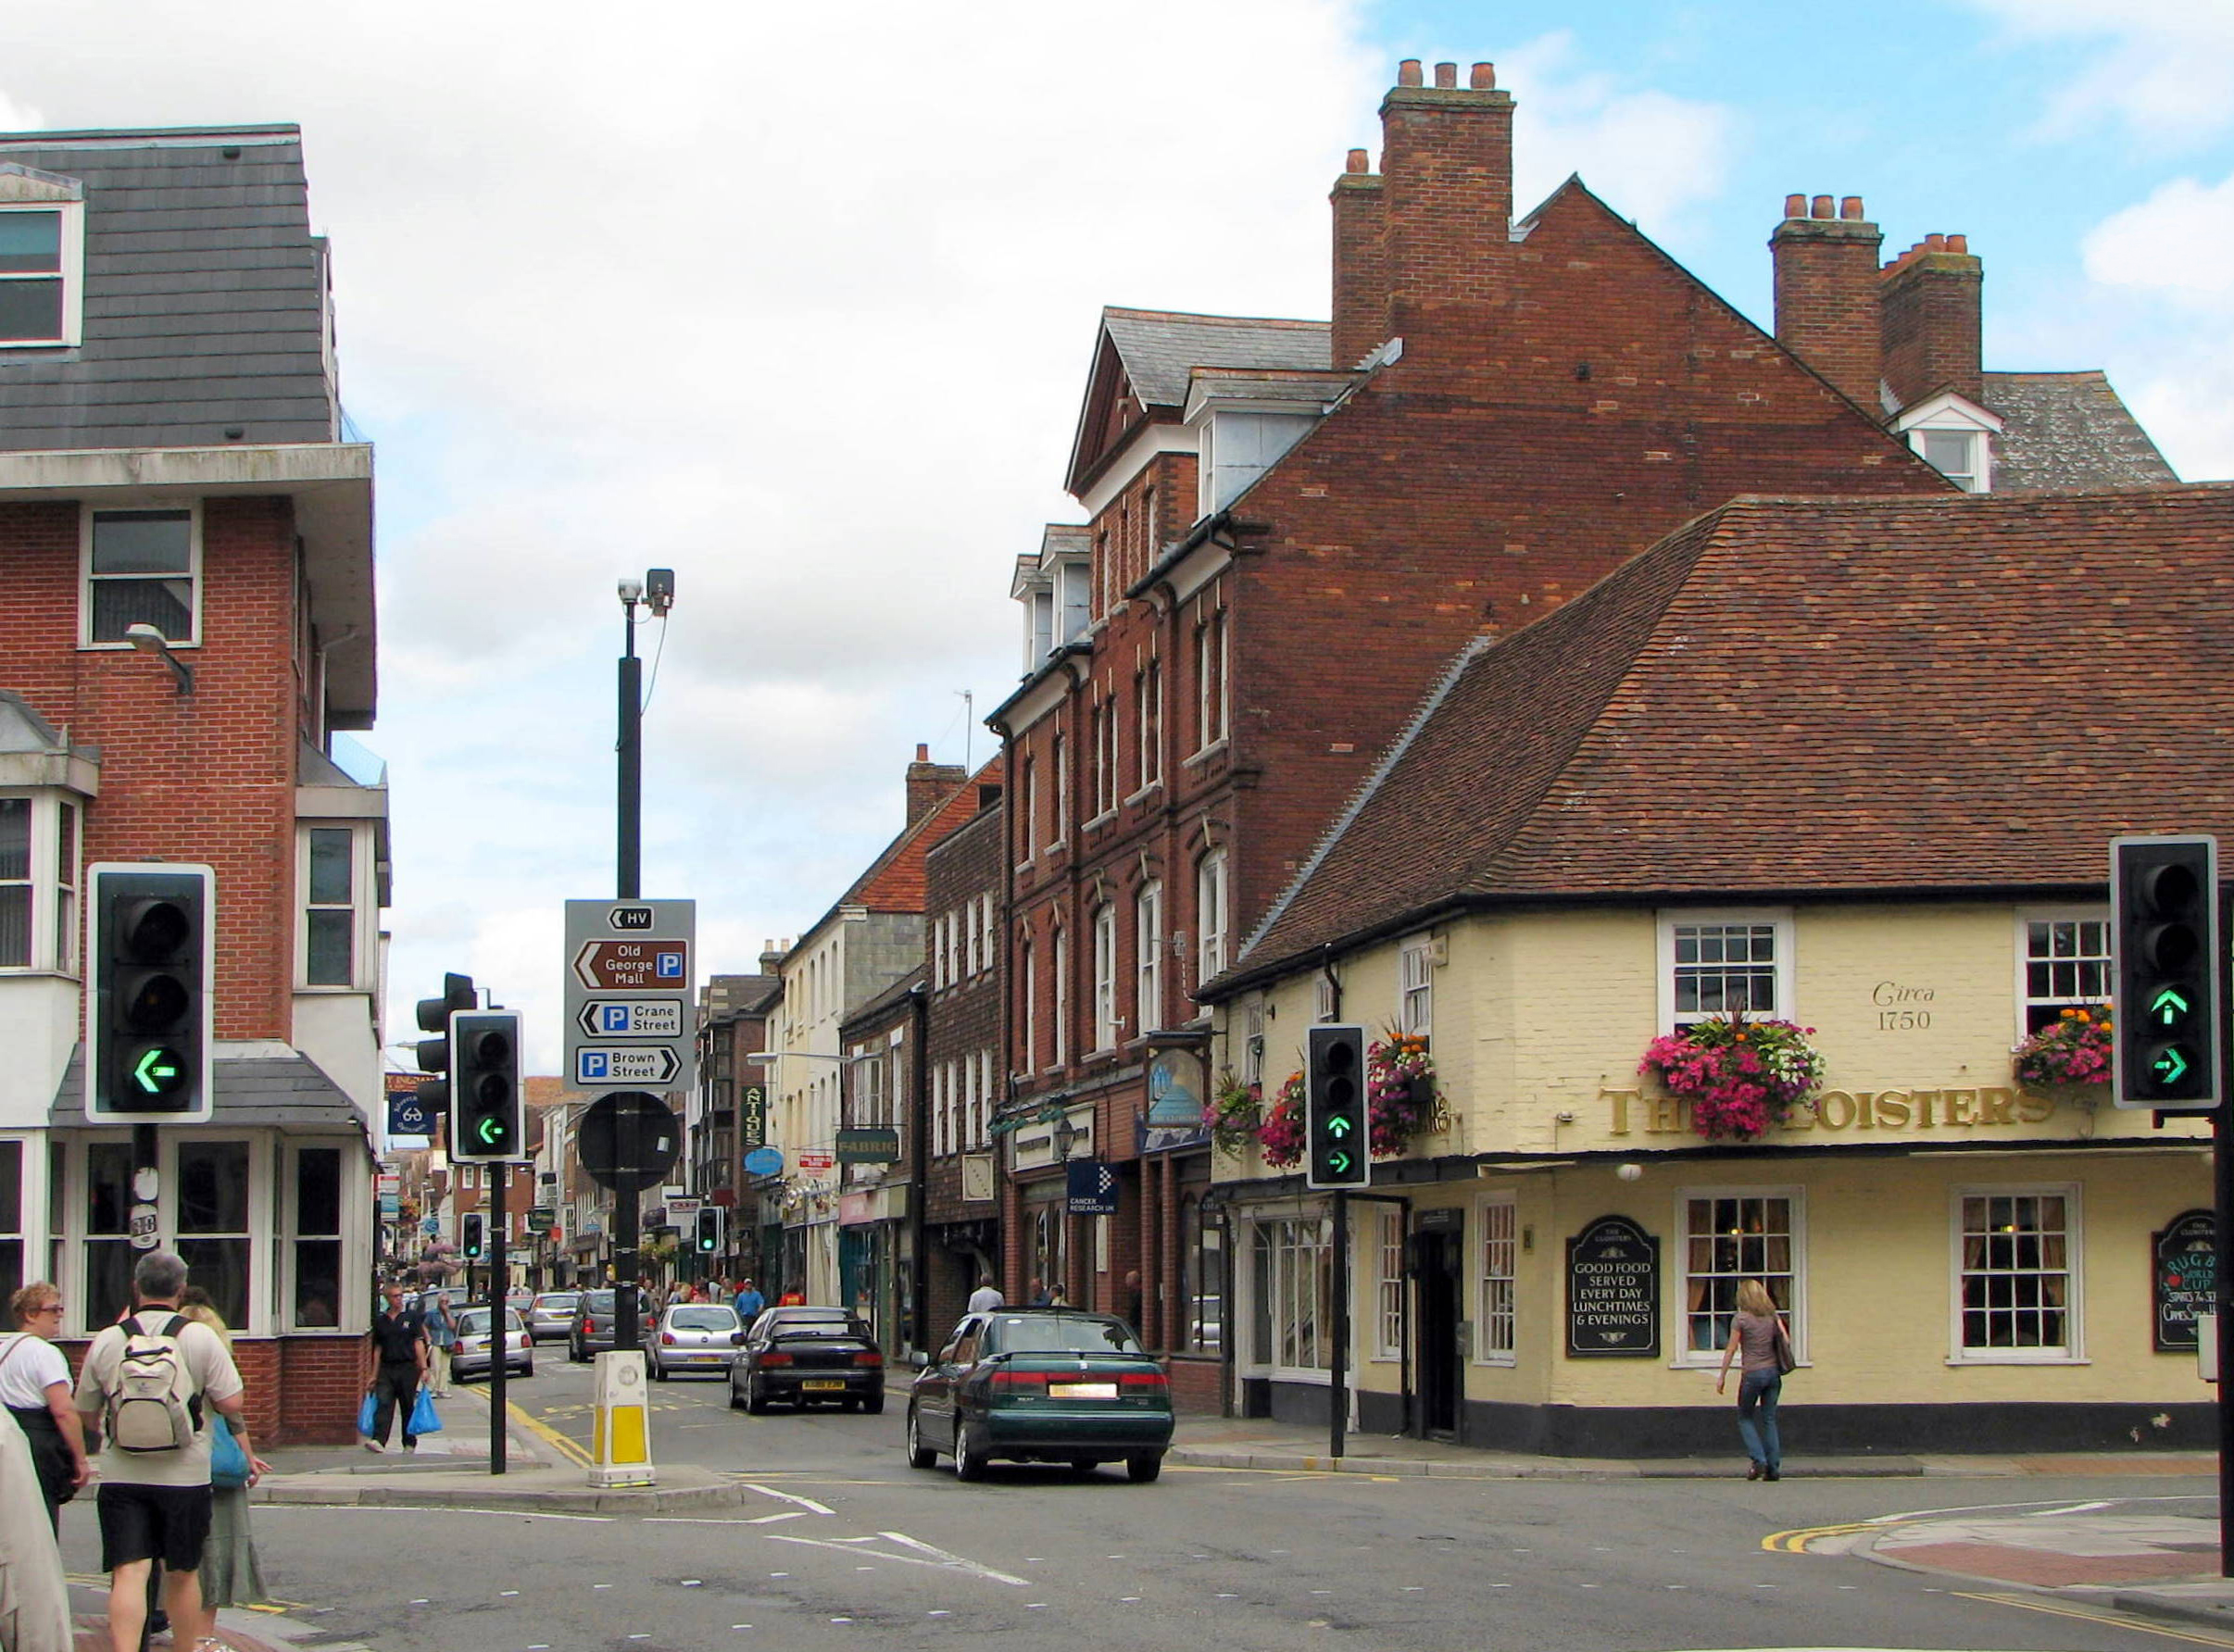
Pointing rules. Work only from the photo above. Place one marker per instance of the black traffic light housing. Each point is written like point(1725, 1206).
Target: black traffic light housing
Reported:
point(469, 1235)
point(708, 1239)
point(434, 1053)
point(1336, 1124)
point(488, 1120)
point(148, 1029)
point(2165, 1013)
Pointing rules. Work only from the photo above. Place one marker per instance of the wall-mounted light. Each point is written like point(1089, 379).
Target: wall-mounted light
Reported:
point(148, 640)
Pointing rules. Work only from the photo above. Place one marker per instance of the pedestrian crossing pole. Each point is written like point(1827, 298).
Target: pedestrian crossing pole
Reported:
point(2222, 1188)
point(500, 1334)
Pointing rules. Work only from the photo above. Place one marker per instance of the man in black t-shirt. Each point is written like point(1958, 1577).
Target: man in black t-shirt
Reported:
point(399, 1344)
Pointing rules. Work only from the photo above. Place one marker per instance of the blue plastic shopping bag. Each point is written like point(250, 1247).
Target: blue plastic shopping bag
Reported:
point(423, 1419)
point(367, 1415)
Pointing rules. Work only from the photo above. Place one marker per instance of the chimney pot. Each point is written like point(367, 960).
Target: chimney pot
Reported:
point(1958, 244)
point(1408, 72)
point(1850, 207)
point(1794, 206)
point(1938, 244)
point(922, 754)
point(1445, 75)
point(1356, 163)
point(1822, 207)
point(1484, 77)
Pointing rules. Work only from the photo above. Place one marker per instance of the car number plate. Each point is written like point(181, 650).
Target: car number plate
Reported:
point(820, 1383)
point(1082, 1391)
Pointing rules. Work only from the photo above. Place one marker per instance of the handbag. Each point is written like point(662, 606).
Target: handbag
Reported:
point(367, 1415)
point(228, 1462)
point(423, 1418)
point(1787, 1361)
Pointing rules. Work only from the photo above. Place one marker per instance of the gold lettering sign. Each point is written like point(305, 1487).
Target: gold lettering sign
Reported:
point(1846, 1110)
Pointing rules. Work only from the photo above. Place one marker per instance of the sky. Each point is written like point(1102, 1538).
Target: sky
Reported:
point(802, 309)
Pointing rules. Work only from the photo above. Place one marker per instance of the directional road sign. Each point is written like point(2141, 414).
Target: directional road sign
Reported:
point(628, 994)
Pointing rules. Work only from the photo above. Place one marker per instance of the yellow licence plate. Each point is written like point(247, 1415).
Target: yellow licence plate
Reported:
point(1082, 1391)
point(823, 1383)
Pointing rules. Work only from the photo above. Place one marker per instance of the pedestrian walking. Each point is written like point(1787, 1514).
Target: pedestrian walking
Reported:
point(399, 1344)
point(230, 1572)
point(441, 1340)
point(987, 1296)
point(152, 1379)
point(35, 1591)
point(34, 1386)
point(1758, 1340)
point(1056, 1297)
point(1038, 1297)
point(749, 1303)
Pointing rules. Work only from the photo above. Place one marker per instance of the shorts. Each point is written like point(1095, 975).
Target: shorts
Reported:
point(168, 1523)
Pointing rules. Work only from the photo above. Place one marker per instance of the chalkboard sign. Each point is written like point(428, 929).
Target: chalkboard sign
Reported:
point(2186, 1259)
point(1614, 1290)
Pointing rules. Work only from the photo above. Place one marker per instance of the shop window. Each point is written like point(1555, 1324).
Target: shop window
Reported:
point(2067, 965)
point(1389, 1318)
point(105, 1291)
point(1730, 1236)
point(1202, 1250)
point(1721, 963)
point(212, 1223)
point(11, 1219)
point(1294, 1310)
point(2018, 1287)
point(316, 1196)
point(1494, 1321)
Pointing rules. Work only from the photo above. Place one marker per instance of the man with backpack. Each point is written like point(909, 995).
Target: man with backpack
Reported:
point(149, 1381)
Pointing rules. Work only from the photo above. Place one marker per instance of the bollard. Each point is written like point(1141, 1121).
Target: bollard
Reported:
point(621, 1434)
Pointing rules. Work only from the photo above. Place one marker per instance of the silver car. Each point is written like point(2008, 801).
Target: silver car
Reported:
point(470, 1358)
point(695, 1336)
point(551, 1315)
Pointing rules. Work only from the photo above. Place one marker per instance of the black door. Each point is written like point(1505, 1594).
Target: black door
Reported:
point(1435, 1273)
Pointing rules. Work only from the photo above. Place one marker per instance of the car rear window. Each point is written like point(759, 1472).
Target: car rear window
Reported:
point(476, 1320)
point(1057, 1333)
point(557, 1299)
point(703, 1319)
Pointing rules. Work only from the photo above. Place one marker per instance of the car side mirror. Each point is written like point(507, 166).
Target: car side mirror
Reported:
point(736, 1339)
point(917, 1358)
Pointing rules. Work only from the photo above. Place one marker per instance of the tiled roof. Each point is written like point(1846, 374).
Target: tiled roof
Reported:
point(894, 882)
point(2068, 432)
point(1161, 347)
point(1946, 693)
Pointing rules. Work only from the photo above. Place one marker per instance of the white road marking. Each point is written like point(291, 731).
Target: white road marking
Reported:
point(2069, 1508)
point(807, 1503)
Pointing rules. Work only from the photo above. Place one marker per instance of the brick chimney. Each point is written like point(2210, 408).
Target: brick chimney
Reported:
point(1826, 293)
point(1432, 233)
point(772, 954)
point(1929, 299)
point(930, 784)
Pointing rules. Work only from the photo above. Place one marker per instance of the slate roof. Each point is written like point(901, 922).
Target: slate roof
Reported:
point(1798, 696)
point(1158, 348)
point(205, 296)
point(2068, 432)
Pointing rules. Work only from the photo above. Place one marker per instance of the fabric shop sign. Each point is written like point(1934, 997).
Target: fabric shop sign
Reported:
point(2186, 1257)
point(1614, 1292)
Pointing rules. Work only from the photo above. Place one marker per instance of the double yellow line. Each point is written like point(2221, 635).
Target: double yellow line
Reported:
point(1795, 1542)
point(573, 1450)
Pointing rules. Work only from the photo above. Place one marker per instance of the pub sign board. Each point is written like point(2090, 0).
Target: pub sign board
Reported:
point(2186, 1267)
point(1614, 1292)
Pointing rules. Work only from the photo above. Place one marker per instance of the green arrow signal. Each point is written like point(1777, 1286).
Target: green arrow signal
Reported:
point(490, 1131)
point(1338, 1127)
point(1339, 1162)
point(2170, 1066)
point(2169, 1008)
point(155, 1072)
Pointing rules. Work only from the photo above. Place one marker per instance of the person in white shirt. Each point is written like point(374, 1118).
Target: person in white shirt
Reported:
point(34, 1592)
point(34, 1386)
point(987, 1297)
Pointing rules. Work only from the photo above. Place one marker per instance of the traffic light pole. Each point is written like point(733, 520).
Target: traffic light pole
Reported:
point(1339, 1417)
point(2222, 1187)
point(629, 749)
point(500, 1336)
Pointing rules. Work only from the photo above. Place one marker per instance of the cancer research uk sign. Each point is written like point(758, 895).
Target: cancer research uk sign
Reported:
point(1614, 1292)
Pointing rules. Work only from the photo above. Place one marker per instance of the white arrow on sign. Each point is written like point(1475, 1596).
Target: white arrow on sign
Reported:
point(632, 1018)
point(625, 1064)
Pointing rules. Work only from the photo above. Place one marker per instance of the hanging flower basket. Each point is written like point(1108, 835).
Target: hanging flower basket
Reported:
point(2071, 1054)
point(1399, 1090)
point(1739, 1076)
point(1234, 1114)
point(1280, 1136)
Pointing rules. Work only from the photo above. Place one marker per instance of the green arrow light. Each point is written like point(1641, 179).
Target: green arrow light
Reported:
point(2170, 1066)
point(157, 1072)
point(1337, 1127)
point(1339, 1162)
point(2169, 1008)
point(490, 1131)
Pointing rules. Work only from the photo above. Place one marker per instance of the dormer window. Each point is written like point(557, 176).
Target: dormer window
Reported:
point(41, 259)
point(1954, 455)
point(1954, 436)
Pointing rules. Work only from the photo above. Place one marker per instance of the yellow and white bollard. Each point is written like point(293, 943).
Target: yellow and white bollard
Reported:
point(621, 1434)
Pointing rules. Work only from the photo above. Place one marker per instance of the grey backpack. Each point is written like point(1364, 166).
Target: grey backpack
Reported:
point(153, 1406)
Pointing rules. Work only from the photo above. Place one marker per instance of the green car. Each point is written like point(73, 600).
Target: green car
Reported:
point(1041, 1385)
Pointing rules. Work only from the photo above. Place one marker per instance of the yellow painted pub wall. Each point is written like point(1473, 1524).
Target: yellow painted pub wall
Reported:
point(1539, 1022)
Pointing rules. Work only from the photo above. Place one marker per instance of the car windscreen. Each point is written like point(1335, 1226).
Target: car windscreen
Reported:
point(1059, 1333)
point(703, 1319)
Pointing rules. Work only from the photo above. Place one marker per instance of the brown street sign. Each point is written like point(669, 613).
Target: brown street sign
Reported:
point(633, 966)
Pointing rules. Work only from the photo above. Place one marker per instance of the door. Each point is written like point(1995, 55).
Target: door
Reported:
point(1436, 1259)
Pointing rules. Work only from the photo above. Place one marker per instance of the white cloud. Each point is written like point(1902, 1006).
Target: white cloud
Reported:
point(2164, 65)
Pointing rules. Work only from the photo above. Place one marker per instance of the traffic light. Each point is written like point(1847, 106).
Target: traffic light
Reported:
point(1336, 1130)
point(469, 1235)
point(487, 1122)
point(148, 1020)
point(434, 1052)
point(2165, 1011)
point(709, 1241)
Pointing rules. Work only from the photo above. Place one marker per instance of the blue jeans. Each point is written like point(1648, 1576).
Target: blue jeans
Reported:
point(1758, 1392)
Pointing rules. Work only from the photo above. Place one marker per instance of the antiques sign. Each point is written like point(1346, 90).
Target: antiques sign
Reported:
point(1614, 1290)
point(2186, 1257)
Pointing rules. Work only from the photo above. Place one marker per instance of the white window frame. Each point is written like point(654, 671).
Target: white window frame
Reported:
point(1415, 986)
point(1062, 822)
point(1105, 977)
point(1389, 1286)
point(2074, 1350)
point(1148, 697)
point(1497, 1294)
point(1252, 1041)
point(1948, 414)
point(1059, 1007)
point(1283, 1230)
point(86, 578)
point(975, 936)
point(1322, 998)
point(73, 273)
point(1212, 905)
point(1148, 943)
point(364, 931)
point(57, 920)
point(988, 935)
point(293, 1238)
point(1027, 987)
point(1677, 1310)
point(1673, 919)
point(2025, 919)
point(1030, 834)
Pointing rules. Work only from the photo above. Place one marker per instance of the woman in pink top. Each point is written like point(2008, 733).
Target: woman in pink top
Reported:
point(1754, 1335)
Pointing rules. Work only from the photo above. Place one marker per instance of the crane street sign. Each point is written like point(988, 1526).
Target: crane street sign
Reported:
point(629, 1023)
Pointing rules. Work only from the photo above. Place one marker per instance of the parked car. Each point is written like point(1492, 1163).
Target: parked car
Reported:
point(552, 1315)
point(593, 1331)
point(471, 1355)
point(1041, 1384)
point(693, 1336)
point(807, 1356)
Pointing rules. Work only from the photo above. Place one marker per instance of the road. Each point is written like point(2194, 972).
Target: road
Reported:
point(843, 1546)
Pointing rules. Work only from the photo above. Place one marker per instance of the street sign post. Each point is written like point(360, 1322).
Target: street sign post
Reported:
point(629, 971)
point(628, 1141)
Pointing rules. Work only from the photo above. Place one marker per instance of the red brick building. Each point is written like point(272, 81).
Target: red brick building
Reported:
point(1292, 526)
point(171, 462)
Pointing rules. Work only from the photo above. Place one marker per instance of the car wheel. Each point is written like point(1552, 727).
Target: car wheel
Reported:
point(920, 1456)
point(528, 1369)
point(735, 1401)
point(756, 1402)
point(874, 1404)
point(969, 1464)
point(1143, 1467)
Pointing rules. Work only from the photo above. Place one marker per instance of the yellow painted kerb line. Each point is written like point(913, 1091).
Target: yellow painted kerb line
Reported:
point(1795, 1542)
point(571, 1449)
point(2061, 1608)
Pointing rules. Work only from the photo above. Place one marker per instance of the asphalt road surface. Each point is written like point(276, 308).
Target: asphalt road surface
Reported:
point(841, 1544)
